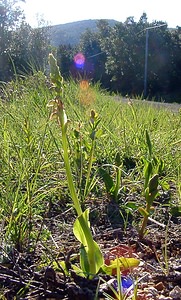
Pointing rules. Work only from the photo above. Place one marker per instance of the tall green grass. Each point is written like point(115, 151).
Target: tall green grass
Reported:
point(32, 174)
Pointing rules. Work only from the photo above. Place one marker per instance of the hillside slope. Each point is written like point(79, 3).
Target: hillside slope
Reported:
point(70, 33)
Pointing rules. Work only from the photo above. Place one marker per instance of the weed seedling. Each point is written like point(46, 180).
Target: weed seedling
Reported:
point(94, 122)
point(112, 184)
point(153, 166)
point(150, 195)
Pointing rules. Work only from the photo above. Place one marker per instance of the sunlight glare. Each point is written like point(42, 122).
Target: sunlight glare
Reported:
point(79, 60)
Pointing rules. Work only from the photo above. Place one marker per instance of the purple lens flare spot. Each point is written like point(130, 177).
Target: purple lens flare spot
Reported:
point(79, 60)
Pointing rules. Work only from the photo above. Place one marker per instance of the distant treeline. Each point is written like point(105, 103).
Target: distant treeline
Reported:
point(115, 56)
point(22, 48)
point(114, 53)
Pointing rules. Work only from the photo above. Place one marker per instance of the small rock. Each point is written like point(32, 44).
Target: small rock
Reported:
point(164, 298)
point(144, 285)
point(149, 295)
point(151, 290)
point(160, 286)
point(178, 268)
point(175, 293)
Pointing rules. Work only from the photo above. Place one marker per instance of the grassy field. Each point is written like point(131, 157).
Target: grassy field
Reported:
point(114, 148)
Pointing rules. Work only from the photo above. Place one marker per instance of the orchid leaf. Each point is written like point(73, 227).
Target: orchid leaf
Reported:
point(78, 271)
point(79, 231)
point(107, 179)
point(90, 253)
point(153, 183)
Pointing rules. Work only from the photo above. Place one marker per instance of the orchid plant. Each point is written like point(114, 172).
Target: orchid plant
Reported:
point(91, 257)
point(153, 166)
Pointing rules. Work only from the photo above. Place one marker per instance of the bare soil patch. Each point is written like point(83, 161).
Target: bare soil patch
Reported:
point(159, 275)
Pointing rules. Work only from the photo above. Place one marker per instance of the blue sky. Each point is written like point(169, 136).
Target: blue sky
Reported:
point(60, 12)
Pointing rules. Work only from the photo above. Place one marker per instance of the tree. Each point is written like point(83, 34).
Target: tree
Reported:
point(123, 51)
point(65, 56)
point(10, 17)
point(29, 48)
point(21, 47)
point(124, 46)
point(95, 58)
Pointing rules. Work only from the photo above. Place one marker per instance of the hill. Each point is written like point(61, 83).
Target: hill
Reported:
point(70, 33)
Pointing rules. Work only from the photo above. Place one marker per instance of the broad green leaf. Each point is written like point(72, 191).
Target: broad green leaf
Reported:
point(79, 271)
point(84, 261)
point(153, 183)
point(118, 159)
point(91, 258)
point(99, 133)
point(161, 166)
point(79, 231)
point(165, 185)
point(107, 179)
point(93, 135)
point(99, 259)
point(151, 197)
point(61, 264)
point(147, 192)
point(147, 172)
point(131, 205)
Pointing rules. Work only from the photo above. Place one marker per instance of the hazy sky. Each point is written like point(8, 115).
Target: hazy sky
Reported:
point(64, 11)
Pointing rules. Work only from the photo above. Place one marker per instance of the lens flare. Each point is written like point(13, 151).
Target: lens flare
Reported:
point(84, 85)
point(79, 60)
point(86, 93)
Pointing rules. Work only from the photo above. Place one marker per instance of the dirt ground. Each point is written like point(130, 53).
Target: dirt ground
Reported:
point(158, 276)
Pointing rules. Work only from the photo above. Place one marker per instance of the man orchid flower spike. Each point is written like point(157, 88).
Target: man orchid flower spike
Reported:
point(58, 110)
